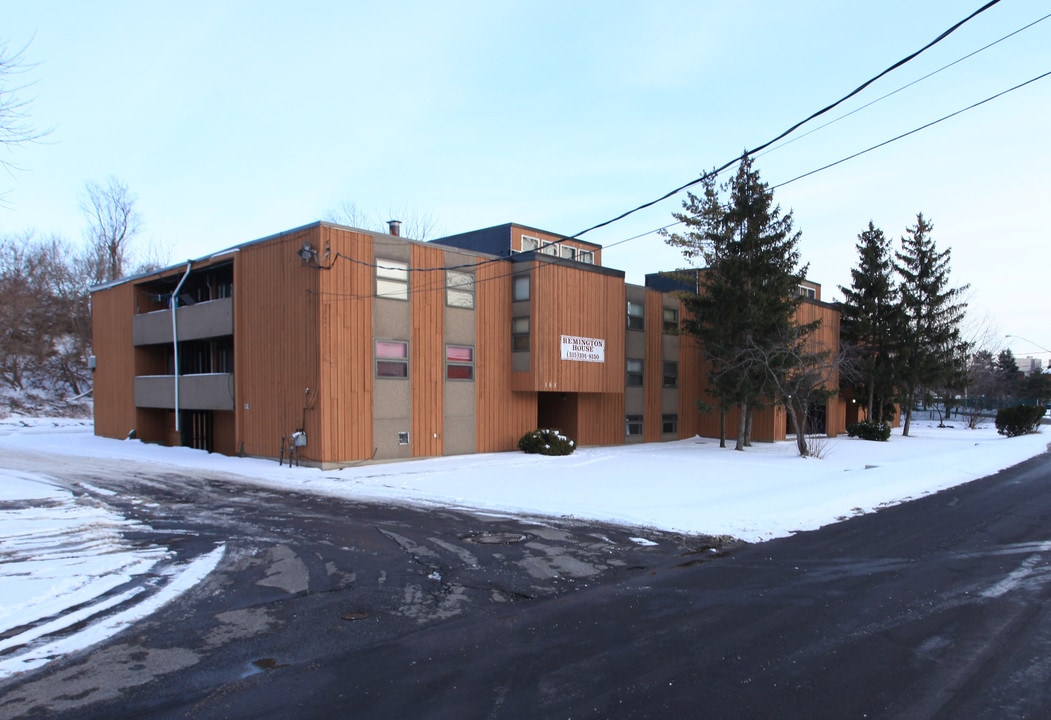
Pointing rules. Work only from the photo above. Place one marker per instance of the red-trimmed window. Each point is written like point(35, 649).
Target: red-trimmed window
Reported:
point(459, 362)
point(392, 359)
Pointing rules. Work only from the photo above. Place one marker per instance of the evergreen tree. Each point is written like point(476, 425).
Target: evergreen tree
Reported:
point(931, 343)
point(872, 320)
point(1008, 374)
point(744, 311)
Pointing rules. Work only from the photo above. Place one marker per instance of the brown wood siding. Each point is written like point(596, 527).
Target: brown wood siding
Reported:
point(503, 416)
point(346, 347)
point(826, 337)
point(114, 377)
point(600, 418)
point(571, 301)
point(691, 384)
point(652, 366)
point(276, 345)
point(427, 350)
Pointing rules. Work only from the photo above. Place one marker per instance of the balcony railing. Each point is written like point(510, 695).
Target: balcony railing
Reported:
point(214, 391)
point(211, 319)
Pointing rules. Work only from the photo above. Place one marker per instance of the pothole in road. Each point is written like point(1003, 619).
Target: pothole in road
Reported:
point(263, 664)
point(496, 538)
point(354, 615)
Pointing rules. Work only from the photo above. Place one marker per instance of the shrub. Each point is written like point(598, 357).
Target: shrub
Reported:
point(546, 442)
point(1018, 420)
point(869, 430)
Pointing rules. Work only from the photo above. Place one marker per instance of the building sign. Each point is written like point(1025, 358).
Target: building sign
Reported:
point(583, 349)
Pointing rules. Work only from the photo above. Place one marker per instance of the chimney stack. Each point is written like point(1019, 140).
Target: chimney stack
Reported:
point(395, 227)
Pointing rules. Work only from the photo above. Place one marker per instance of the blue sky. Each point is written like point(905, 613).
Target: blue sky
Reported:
point(235, 120)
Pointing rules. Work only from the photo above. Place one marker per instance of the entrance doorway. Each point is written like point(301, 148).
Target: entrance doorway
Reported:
point(198, 430)
point(557, 411)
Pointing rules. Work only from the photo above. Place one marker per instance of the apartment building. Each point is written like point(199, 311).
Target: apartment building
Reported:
point(355, 345)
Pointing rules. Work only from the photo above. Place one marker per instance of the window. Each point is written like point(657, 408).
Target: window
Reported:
point(520, 288)
point(392, 359)
point(671, 320)
point(569, 252)
point(549, 248)
point(459, 289)
point(636, 315)
point(459, 362)
point(670, 424)
point(807, 292)
point(530, 243)
point(633, 425)
point(671, 375)
point(586, 256)
point(392, 279)
point(520, 334)
point(403, 438)
point(634, 370)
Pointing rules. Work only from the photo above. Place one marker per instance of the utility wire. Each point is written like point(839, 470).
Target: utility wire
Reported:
point(906, 86)
point(789, 131)
point(861, 152)
point(914, 130)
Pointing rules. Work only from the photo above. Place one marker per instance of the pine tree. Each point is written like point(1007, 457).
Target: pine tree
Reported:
point(931, 343)
point(744, 311)
point(872, 319)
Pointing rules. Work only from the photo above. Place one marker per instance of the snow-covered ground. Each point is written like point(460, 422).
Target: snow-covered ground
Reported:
point(59, 555)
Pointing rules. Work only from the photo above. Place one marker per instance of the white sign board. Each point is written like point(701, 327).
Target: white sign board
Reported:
point(583, 349)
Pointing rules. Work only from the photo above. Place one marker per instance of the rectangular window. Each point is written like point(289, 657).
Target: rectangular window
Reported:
point(520, 334)
point(392, 359)
point(569, 252)
point(671, 375)
point(636, 315)
point(392, 279)
point(530, 243)
point(459, 290)
point(459, 362)
point(669, 424)
point(520, 288)
point(634, 373)
point(550, 248)
point(807, 292)
point(586, 256)
point(671, 320)
point(403, 438)
point(633, 425)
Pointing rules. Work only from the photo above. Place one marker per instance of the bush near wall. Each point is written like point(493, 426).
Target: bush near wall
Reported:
point(1018, 420)
point(546, 442)
point(869, 430)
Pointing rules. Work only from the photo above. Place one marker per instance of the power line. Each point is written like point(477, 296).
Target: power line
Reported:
point(913, 131)
point(792, 129)
point(907, 85)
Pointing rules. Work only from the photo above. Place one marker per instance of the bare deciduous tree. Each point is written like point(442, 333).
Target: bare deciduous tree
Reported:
point(415, 224)
point(113, 223)
point(44, 315)
point(15, 127)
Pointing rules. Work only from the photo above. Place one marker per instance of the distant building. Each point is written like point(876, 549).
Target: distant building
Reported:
point(367, 345)
point(1029, 365)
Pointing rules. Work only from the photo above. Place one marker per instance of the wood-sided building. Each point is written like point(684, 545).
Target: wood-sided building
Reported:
point(366, 345)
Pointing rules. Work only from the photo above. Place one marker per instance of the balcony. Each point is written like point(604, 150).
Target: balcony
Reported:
point(211, 319)
point(214, 391)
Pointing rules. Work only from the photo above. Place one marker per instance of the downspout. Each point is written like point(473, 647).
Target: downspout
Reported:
point(175, 337)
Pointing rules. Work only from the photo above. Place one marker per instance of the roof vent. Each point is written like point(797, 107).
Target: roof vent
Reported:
point(395, 227)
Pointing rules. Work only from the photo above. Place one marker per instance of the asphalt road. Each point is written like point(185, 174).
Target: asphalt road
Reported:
point(932, 609)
